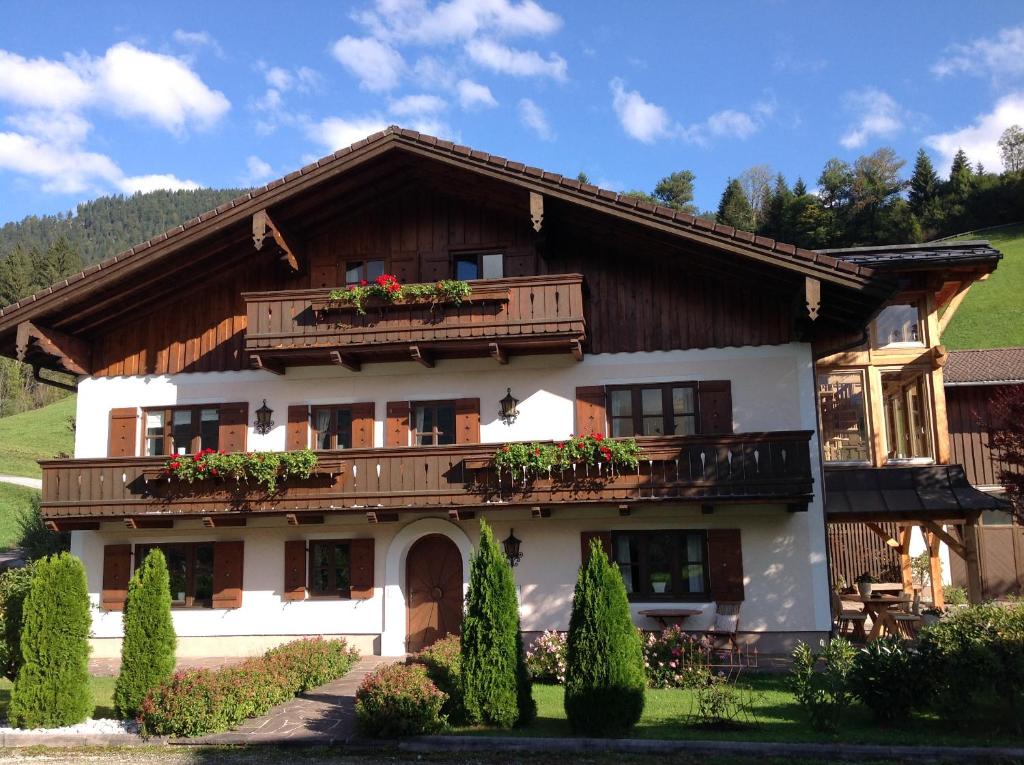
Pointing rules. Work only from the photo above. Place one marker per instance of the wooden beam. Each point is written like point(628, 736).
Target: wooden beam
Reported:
point(625, 511)
point(73, 353)
point(72, 525)
point(935, 570)
point(214, 522)
point(303, 519)
point(880, 533)
point(267, 365)
point(262, 224)
point(972, 559)
point(421, 356)
point(375, 517)
point(954, 545)
point(812, 296)
point(536, 210)
point(540, 512)
point(344, 360)
point(149, 523)
point(497, 353)
point(461, 515)
point(906, 572)
point(954, 304)
point(576, 349)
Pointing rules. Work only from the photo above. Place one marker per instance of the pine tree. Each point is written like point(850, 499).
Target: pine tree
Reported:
point(57, 262)
point(799, 188)
point(16, 280)
point(495, 683)
point(52, 686)
point(924, 183)
point(147, 652)
point(734, 208)
point(605, 678)
point(676, 191)
point(776, 222)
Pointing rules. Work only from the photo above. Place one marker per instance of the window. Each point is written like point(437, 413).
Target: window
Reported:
point(662, 565)
point(363, 270)
point(478, 265)
point(907, 424)
point(844, 429)
point(329, 569)
point(653, 410)
point(181, 430)
point(899, 325)
point(332, 427)
point(433, 423)
point(190, 565)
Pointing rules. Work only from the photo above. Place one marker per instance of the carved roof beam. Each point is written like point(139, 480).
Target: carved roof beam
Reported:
point(71, 354)
point(262, 225)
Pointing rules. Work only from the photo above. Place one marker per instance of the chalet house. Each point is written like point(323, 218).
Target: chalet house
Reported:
point(588, 313)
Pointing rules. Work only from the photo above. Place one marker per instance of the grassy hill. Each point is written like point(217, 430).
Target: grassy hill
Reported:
point(35, 435)
point(992, 315)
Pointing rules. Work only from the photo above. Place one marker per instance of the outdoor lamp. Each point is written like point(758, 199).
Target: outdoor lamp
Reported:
point(507, 408)
point(511, 545)
point(264, 419)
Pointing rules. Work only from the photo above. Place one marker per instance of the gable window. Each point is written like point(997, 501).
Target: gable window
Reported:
point(662, 565)
point(653, 410)
point(330, 568)
point(190, 565)
point(332, 427)
point(907, 422)
point(362, 270)
point(898, 326)
point(433, 423)
point(478, 265)
point(181, 430)
point(844, 428)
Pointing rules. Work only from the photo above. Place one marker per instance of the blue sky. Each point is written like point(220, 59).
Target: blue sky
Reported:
point(146, 95)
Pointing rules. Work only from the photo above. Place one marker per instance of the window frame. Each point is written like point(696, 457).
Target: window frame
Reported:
point(195, 441)
point(922, 381)
point(674, 594)
point(479, 255)
point(918, 303)
point(333, 429)
point(667, 413)
point(332, 592)
point(363, 269)
point(435, 433)
point(142, 550)
point(866, 413)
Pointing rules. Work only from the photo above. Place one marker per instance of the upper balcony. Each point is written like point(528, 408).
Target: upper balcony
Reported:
point(501, 317)
point(741, 468)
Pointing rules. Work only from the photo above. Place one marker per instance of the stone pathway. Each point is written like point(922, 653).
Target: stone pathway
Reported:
point(19, 480)
point(325, 715)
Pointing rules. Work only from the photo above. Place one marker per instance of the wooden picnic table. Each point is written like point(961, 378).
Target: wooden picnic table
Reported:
point(880, 608)
point(664, 615)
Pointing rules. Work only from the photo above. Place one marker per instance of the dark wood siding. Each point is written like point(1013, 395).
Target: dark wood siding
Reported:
point(970, 416)
point(853, 548)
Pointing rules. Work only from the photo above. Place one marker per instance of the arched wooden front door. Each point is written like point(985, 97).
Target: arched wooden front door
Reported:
point(433, 583)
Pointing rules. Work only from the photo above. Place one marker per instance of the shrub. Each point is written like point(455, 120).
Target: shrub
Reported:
point(955, 596)
point(443, 661)
point(717, 702)
point(886, 679)
point(975, 660)
point(495, 681)
point(604, 678)
point(546, 658)
point(674, 659)
point(35, 540)
point(52, 685)
point(147, 651)
point(823, 696)
point(398, 700)
point(14, 585)
point(196, 702)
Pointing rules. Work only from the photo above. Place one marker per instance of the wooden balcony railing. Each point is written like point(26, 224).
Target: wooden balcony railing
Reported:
point(537, 314)
point(748, 467)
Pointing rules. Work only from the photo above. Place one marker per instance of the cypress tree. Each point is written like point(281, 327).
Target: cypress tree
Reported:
point(495, 683)
point(147, 652)
point(604, 678)
point(52, 686)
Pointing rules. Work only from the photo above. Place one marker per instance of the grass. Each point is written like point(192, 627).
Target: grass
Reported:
point(14, 500)
point(35, 435)
point(776, 718)
point(992, 315)
point(102, 694)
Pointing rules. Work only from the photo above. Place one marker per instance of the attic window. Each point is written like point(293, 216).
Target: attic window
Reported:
point(899, 326)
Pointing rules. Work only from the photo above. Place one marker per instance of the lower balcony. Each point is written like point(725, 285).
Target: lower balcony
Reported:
point(740, 468)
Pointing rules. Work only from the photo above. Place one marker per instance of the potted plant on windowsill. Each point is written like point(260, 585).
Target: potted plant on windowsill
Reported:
point(864, 582)
point(659, 583)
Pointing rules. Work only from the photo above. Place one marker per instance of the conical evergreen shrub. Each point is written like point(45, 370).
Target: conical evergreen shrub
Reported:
point(604, 678)
point(147, 652)
point(52, 686)
point(495, 682)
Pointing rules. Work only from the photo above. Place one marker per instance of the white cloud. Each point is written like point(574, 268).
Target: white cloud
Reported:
point(198, 40)
point(732, 124)
point(433, 73)
point(473, 94)
point(417, 105)
point(303, 79)
point(998, 57)
point(41, 83)
point(640, 118)
point(338, 132)
point(519, 63)
point(414, 21)
point(533, 117)
point(57, 128)
point(280, 81)
point(876, 115)
point(257, 170)
point(979, 140)
point(146, 183)
point(377, 65)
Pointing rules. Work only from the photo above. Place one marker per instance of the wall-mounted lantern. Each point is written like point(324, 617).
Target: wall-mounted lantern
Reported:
point(507, 408)
point(511, 545)
point(264, 419)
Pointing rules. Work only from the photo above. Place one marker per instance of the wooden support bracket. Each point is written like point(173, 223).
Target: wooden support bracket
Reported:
point(72, 354)
point(954, 304)
point(148, 523)
point(576, 349)
point(461, 515)
point(214, 522)
point(258, 362)
point(421, 356)
point(497, 353)
point(536, 210)
point(540, 512)
point(303, 519)
point(262, 224)
point(625, 511)
point(812, 296)
point(375, 517)
point(880, 533)
point(954, 545)
point(344, 360)
point(72, 525)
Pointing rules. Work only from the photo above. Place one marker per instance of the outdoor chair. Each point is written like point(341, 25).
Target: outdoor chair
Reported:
point(848, 619)
point(909, 622)
point(727, 622)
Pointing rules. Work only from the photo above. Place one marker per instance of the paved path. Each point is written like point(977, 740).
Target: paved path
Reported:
point(18, 480)
point(325, 715)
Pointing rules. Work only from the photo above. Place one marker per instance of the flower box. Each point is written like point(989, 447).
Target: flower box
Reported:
point(324, 306)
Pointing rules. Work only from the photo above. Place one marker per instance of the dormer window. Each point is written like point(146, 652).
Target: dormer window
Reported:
point(899, 326)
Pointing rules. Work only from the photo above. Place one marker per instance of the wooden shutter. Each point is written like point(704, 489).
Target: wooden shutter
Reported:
point(124, 428)
point(234, 426)
point(361, 564)
point(590, 410)
point(297, 431)
point(715, 405)
point(362, 426)
point(227, 574)
point(467, 420)
point(396, 428)
point(117, 571)
point(606, 542)
point(725, 564)
point(294, 570)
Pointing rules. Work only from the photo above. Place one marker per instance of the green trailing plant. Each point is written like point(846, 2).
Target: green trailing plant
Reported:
point(399, 700)
point(388, 289)
point(14, 586)
point(496, 687)
point(887, 679)
point(604, 678)
point(262, 468)
point(147, 651)
point(824, 696)
point(536, 460)
point(52, 685)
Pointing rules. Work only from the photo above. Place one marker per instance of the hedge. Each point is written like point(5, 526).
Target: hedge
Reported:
point(399, 700)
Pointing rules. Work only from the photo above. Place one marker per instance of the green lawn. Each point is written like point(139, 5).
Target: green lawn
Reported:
point(992, 315)
point(102, 694)
point(35, 435)
point(13, 501)
point(777, 718)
